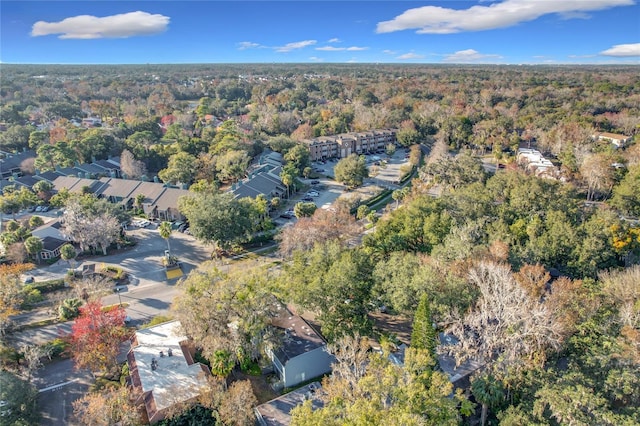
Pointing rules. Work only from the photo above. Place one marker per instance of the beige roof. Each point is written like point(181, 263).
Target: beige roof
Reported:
point(75, 184)
point(169, 198)
point(120, 188)
point(151, 191)
point(612, 136)
point(173, 380)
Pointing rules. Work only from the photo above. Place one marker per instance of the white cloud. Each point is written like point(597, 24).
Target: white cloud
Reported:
point(622, 50)
point(115, 26)
point(334, 40)
point(315, 59)
point(410, 55)
point(339, 49)
point(469, 55)
point(295, 45)
point(441, 20)
point(244, 45)
point(389, 52)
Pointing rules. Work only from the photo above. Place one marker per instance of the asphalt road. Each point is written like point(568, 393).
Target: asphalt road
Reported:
point(148, 294)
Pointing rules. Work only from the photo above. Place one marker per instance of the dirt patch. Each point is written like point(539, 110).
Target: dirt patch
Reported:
point(397, 325)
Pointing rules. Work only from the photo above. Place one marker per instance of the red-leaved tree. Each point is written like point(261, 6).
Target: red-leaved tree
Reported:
point(96, 336)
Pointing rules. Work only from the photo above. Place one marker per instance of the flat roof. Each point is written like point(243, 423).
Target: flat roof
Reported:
point(173, 380)
point(277, 411)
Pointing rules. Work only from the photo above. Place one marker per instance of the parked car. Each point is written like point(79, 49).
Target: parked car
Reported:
point(45, 208)
point(307, 199)
point(315, 182)
point(39, 208)
point(312, 194)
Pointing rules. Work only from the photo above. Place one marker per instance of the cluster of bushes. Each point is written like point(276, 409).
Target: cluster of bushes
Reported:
point(113, 272)
point(33, 293)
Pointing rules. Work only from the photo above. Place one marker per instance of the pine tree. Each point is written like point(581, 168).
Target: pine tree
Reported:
point(423, 335)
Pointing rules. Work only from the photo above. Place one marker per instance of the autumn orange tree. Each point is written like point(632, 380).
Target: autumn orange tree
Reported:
point(10, 290)
point(96, 336)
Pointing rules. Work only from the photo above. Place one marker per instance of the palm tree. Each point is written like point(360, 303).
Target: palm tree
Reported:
point(34, 247)
point(165, 232)
point(488, 391)
point(140, 200)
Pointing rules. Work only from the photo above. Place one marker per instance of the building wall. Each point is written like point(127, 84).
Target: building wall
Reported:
point(343, 145)
point(307, 366)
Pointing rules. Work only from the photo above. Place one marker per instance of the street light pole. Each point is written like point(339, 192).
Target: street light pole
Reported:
point(119, 298)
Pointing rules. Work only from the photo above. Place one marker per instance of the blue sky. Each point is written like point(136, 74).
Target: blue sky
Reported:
point(485, 31)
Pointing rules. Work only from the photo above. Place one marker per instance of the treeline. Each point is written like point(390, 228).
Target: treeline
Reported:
point(157, 111)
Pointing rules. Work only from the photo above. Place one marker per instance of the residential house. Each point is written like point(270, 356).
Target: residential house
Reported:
point(277, 412)
point(615, 139)
point(263, 178)
point(533, 161)
point(51, 247)
point(10, 163)
point(76, 184)
point(111, 166)
point(165, 206)
point(159, 200)
point(458, 374)
point(303, 354)
point(53, 238)
point(91, 122)
point(162, 369)
point(92, 170)
point(49, 175)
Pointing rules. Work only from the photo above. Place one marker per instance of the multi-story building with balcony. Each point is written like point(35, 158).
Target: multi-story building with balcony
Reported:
point(345, 144)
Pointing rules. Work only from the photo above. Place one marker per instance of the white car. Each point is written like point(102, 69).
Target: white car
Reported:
point(313, 194)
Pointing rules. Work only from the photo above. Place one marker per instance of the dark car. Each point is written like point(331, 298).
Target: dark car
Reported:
point(315, 182)
point(307, 199)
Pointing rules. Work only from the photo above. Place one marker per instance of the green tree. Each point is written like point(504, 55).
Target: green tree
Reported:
point(334, 282)
point(233, 330)
point(362, 212)
point(37, 138)
point(35, 221)
point(626, 195)
point(298, 156)
point(165, 232)
point(287, 180)
point(181, 169)
point(304, 209)
point(68, 253)
point(423, 334)
point(69, 309)
point(384, 393)
point(217, 218)
point(488, 391)
point(351, 170)
point(34, 246)
point(18, 401)
point(232, 165)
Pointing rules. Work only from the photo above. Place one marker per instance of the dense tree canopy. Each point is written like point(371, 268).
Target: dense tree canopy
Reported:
point(351, 170)
point(218, 218)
